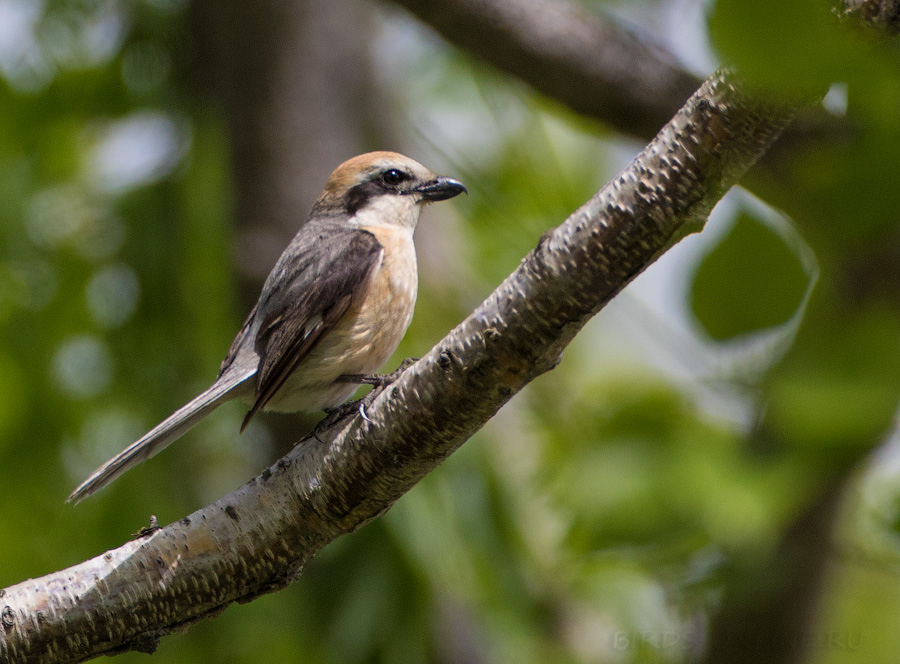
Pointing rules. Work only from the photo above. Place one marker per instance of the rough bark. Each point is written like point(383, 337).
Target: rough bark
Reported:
point(257, 539)
point(529, 39)
point(880, 15)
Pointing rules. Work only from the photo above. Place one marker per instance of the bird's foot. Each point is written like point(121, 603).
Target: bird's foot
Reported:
point(378, 382)
point(332, 417)
point(338, 413)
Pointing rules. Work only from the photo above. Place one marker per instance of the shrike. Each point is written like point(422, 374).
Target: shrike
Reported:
point(336, 304)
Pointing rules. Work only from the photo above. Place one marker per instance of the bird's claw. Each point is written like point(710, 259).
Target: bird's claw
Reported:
point(378, 380)
point(378, 383)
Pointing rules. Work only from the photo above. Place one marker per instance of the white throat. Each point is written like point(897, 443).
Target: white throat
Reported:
point(388, 211)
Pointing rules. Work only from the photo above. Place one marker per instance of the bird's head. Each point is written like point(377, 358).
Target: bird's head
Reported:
point(383, 186)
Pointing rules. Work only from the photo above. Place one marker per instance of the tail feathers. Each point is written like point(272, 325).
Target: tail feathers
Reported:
point(161, 436)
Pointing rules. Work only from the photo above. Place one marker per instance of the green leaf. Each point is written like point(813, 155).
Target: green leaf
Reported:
point(750, 281)
point(796, 46)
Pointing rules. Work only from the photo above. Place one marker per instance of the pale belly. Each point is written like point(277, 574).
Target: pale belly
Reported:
point(363, 340)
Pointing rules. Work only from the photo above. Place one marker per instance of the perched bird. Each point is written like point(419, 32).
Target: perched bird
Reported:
point(333, 309)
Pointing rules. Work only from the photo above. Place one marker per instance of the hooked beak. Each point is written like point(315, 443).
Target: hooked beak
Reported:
point(440, 189)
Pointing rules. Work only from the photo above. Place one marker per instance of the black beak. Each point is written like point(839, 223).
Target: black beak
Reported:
point(440, 189)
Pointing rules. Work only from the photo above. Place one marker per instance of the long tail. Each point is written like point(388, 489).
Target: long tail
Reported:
point(161, 436)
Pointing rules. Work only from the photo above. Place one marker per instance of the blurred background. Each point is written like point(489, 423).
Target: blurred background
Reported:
point(709, 475)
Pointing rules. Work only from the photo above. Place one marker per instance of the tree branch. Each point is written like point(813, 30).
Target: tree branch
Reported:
point(257, 539)
point(882, 16)
point(594, 67)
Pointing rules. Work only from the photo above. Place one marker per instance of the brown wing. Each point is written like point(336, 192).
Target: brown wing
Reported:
point(238, 341)
point(312, 286)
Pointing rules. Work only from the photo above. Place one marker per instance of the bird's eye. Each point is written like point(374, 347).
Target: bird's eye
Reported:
point(394, 177)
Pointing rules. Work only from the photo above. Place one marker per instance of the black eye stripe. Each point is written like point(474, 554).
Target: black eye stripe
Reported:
point(377, 184)
point(360, 195)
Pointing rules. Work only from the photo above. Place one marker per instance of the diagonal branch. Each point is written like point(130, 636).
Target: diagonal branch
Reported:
point(257, 539)
point(593, 66)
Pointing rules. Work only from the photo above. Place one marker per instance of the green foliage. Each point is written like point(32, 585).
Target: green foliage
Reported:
point(600, 515)
point(795, 47)
point(750, 281)
point(851, 399)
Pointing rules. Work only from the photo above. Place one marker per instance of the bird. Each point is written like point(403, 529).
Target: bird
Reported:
point(331, 312)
